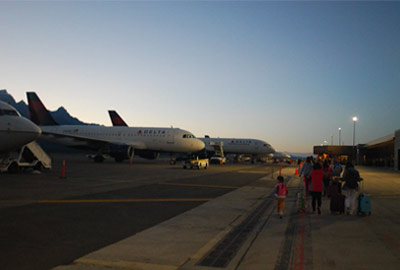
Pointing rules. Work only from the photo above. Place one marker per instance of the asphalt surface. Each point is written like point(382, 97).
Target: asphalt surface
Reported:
point(151, 215)
point(48, 221)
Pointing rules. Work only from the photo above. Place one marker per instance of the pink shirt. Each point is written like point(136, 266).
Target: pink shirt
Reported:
point(316, 178)
point(281, 191)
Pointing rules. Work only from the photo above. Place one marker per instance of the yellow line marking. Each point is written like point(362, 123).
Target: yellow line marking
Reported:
point(128, 200)
point(107, 200)
point(18, 201)
point(198, 185)
point(383, 194)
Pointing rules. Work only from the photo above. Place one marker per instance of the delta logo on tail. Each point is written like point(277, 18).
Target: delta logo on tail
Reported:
point(38, 112)
point(116, 119)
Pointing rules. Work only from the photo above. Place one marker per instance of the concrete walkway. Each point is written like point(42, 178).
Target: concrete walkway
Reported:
point(247, 219)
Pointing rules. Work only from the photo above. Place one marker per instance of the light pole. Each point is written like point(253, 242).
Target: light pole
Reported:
point(340, 133)
point(331, 138)
point(354, 136)
point(354, 130)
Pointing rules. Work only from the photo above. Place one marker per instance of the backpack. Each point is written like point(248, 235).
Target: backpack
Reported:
point(337, 169)
point(352, 178)
point(281, 190)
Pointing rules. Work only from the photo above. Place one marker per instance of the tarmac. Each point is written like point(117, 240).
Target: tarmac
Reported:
point(241, 230)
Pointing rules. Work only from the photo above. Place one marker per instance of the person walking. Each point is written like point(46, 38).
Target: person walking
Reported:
point(317, 177)
point(351, 177)
point(281, 191)
point(306, 170)
point(337, 169)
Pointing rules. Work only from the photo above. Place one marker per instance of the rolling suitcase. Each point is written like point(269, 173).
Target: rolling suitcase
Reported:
point(337, 204)
point(332, 190)
point(364, 202)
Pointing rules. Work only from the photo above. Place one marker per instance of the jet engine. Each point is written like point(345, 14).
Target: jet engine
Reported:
point(121, 152)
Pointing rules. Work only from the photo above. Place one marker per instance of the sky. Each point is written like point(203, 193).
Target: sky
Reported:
point(289, 73)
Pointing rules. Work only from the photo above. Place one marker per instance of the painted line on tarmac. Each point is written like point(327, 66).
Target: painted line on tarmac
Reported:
point(392, 242)
point(198, 185)
point(126, 200)
point(17, 201)
point(384, 195)
point(296, 249)
point(124, 264)
point(253, 172)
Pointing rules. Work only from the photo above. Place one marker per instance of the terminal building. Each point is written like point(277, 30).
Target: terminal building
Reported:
point(382, 152)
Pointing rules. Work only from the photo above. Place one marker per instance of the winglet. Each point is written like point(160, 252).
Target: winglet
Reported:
point(38, 112)
point(116, 119)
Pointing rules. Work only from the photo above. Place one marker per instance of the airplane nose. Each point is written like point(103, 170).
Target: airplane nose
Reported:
point(200, 145)
point(34, 130)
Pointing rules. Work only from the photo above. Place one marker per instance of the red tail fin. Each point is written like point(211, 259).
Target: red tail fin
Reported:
point(116, 119)
point(38, 112)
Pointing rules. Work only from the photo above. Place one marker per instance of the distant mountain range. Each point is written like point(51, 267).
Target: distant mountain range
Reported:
point(60, 115)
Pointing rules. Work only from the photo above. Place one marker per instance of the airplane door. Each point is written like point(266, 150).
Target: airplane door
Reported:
point(171, 136)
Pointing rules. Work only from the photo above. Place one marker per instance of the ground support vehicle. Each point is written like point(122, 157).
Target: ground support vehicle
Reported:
point(218, 160)
point(196, 163)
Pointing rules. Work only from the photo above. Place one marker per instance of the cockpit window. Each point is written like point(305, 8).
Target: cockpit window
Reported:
point(188, 136)
point(8, 112)
point(267, 145)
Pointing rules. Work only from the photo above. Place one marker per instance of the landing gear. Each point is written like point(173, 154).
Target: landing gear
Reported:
point(39, 167)
point(98, 158)
point(119, 160)
point(13, 168)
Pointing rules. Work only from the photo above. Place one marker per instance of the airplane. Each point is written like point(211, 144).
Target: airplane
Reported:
point(118, 142)
point(253, 147)
point(281, 156)
point(240, 147)
point(15, 130)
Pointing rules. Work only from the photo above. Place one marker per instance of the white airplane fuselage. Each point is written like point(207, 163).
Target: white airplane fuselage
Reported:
point(240, 146)
point(15, 130)
point(281, 156)
point(141, 138)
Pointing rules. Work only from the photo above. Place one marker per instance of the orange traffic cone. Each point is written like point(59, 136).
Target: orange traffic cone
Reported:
point(297, 172)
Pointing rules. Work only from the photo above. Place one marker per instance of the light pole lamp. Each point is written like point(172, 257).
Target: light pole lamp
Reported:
point(340, 133)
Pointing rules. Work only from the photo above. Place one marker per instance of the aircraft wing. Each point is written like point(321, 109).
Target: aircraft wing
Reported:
point(92, 143)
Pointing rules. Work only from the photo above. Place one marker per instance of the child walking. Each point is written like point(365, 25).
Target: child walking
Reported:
point(281, 191)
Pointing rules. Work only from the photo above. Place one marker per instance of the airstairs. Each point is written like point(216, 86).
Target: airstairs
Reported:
point(30, 155)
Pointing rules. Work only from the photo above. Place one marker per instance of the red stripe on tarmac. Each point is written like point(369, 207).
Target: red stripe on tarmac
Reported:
point(392, 242)
point(299, 251)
